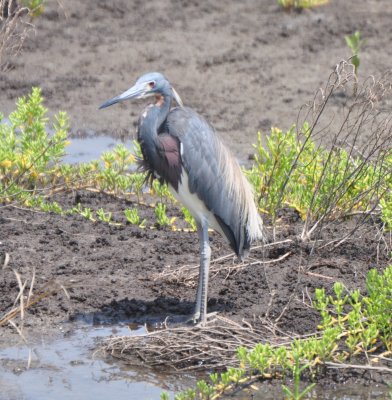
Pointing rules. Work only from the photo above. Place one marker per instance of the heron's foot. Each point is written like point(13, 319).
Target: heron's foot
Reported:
point(174, 321)
point(198, 320)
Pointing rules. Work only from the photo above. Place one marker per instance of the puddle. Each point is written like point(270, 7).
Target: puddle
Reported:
point(90, 147)
point(66, 368)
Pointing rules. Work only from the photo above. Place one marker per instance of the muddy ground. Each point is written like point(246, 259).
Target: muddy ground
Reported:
point(246, 66)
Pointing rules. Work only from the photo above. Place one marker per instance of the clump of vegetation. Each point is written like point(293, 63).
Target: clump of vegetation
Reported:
point(133, 217)
point(161, 217)
point(300, 4)
point(189, 218)
point(29, 156)
point(319, 183)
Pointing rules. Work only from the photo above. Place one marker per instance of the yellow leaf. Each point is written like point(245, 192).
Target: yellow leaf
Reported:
point(6, 163)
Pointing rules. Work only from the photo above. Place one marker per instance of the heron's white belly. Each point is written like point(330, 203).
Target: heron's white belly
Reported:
point(192, 202)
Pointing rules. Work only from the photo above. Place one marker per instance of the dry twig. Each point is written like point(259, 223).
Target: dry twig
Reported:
point(13, 31)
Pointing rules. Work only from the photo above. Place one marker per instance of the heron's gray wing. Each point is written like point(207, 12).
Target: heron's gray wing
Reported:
point(205, 160)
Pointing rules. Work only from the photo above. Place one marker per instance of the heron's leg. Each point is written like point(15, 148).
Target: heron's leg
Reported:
point(205, 254)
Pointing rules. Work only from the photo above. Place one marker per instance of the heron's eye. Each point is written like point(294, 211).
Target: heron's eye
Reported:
point(151, 84)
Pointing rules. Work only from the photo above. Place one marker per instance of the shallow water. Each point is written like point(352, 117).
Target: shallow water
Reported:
point(67, 368)
point(91, 147)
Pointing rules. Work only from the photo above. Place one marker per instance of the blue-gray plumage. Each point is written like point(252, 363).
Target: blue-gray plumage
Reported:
point(180, 148)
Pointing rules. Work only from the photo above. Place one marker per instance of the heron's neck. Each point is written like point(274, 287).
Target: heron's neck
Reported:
point(154, 116)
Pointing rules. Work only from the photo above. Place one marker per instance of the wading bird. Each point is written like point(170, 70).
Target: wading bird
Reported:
point(181, 149)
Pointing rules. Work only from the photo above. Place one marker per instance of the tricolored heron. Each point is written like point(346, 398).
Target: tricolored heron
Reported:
point(181, 149)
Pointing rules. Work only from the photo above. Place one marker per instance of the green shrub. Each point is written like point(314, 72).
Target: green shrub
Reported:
point(29, 155)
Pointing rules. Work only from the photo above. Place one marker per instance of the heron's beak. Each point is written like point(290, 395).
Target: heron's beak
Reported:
point(135, 92)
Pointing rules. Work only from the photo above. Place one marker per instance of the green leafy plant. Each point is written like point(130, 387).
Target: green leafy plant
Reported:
point(297, 368)
point(354, 42)
point(321, 184)
point(161, 217)
point(362, 320)
point(104, 216)
point(132, 216)
point(160, 190)
point(189, 218)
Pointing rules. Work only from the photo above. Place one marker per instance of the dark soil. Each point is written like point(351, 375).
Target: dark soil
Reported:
point(246, 66)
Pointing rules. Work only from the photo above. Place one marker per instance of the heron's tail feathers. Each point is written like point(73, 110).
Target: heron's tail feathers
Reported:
point(249, 225)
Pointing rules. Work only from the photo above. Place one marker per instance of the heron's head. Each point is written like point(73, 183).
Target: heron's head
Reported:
point(150, 84)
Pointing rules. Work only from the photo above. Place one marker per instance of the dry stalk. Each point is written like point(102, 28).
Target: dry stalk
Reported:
point(13, 31)
point(24, 301)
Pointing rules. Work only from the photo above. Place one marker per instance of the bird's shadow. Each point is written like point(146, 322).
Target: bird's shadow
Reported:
point(161, 310)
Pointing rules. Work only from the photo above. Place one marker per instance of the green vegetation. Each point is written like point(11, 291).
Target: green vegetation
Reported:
point(300, 4)
point(161, 218)
point(354, 42)
point(29, 156)
point(132, 216)
point(189, 218)
point(352, 325)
